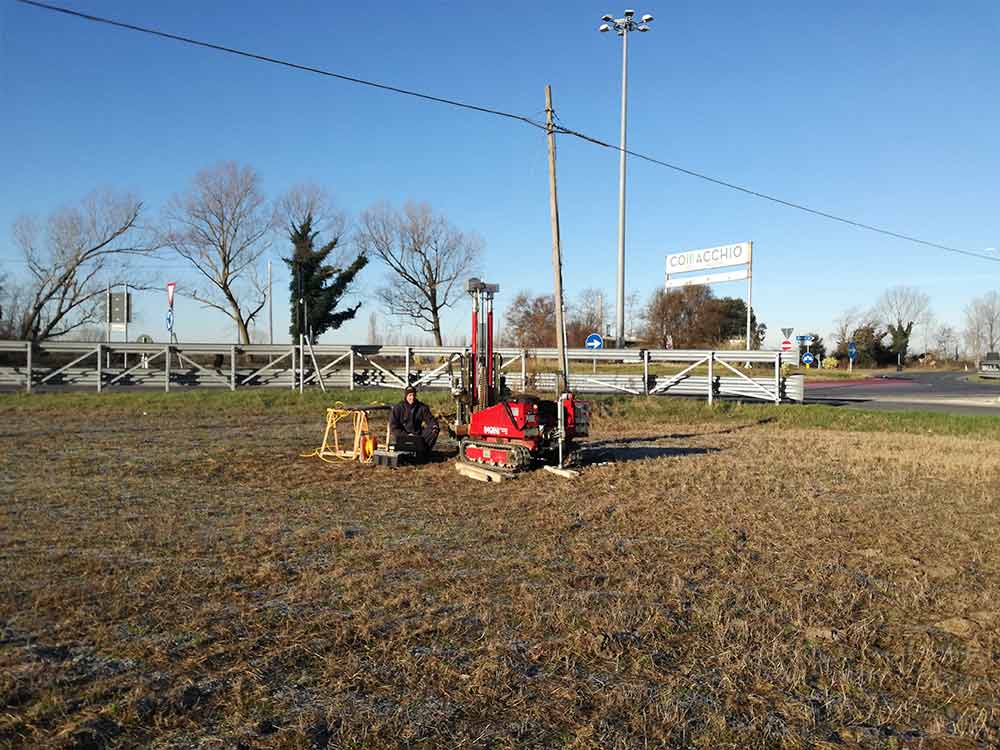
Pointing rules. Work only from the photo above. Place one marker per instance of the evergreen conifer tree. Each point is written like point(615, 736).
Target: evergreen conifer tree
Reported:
point(318, 285)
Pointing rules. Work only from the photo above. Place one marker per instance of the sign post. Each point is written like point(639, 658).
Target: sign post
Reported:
point(594, 341)
point(739, 254)
point(171, 288)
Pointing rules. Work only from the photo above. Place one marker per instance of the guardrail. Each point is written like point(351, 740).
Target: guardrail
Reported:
point(989, 366)
point(752, 375)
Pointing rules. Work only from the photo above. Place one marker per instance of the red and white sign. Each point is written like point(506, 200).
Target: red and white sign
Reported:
point(786, 345)
point(171, 285)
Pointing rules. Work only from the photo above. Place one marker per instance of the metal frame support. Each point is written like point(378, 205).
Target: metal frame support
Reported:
point(645, 372)
point(406, 370)
point(777, 378)
point(166, 369)
point(711, 377)
point(351, 386)
point(27, 381)
point(100, 374)
point(232, 368)
point(524, 370)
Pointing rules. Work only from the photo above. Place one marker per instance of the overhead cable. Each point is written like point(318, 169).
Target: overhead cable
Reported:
point(508, 115)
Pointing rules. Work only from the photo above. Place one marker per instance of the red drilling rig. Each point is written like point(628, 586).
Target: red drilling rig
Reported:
point(504, 431)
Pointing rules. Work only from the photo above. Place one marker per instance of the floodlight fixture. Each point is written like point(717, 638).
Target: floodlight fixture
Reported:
point(603, 27)
point(647, 18)
point(607, 18)
point(629, 13)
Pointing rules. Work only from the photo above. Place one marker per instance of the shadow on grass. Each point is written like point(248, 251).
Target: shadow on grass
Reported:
point(618, 453)
point(677, 435)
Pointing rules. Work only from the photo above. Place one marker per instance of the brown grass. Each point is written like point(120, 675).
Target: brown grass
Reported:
point(193, 583)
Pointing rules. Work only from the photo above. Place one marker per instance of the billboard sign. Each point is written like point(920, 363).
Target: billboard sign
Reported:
point(711, 257)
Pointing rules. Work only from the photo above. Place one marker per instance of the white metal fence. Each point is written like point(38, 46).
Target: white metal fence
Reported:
point(753, 375)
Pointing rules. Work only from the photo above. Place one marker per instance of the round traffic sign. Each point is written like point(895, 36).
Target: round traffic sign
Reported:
point(594, 341)
point(808, 358)
point(170, 320)
point(786, 345)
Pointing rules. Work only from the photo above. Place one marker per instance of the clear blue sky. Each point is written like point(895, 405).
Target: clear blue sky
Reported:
point(887, 113)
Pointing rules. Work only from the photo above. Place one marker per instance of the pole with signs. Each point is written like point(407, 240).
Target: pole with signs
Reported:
point(749, 293)
point(128, 313)
point(171, 287)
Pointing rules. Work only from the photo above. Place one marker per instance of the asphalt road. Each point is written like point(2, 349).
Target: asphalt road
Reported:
point(951, 392)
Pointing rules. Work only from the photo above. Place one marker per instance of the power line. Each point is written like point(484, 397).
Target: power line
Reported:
point(509, 115)
point(285, 63)
point(773, 199)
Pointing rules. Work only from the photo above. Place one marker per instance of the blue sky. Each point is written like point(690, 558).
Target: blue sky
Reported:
point(886, 113)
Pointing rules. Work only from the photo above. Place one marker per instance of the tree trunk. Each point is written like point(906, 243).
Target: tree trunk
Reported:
point(244, 332)
point(437, 329)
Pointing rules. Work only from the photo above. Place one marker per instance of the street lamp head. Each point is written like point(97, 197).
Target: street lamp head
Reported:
point(629, 13)
point(643, 27)
point(607, 18)
point(603, 27)
point(647, 18)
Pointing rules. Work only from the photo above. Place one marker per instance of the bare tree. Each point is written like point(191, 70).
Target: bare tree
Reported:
point(982, 324)
point(900, 309)
point(585, 316)
point(428, 260)
point(71, 258)
point(945, 341)
point(849, 321)
point(222, 226)
point(530, 322)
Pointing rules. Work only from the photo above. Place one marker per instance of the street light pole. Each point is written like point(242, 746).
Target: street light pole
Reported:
point(622, 27)
point(620, 309)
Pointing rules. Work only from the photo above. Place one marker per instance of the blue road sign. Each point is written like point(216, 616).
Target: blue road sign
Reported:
point(852, 351)
point(170, 321)
point(804, 339)
point(808, 358)
point(594, 341)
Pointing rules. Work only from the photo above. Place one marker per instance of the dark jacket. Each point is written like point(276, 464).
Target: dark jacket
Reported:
point(411, 419)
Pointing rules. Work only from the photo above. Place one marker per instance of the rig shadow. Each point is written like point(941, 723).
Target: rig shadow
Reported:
point(620, 451)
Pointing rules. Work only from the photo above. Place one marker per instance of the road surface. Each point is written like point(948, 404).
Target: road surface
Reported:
point(951, 392)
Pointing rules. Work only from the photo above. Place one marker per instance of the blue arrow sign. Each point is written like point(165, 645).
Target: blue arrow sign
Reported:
point(170, 321)
point(594, 341)
point(808, 358)
point(852, 351)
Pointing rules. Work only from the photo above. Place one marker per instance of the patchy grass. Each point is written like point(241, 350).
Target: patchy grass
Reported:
point(713, 580)
point(140, 407)
point(658, 410)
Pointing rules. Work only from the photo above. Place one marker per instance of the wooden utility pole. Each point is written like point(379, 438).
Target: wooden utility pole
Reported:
point(563, 375)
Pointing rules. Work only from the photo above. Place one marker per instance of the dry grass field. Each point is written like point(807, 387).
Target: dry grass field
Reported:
point(174, 575)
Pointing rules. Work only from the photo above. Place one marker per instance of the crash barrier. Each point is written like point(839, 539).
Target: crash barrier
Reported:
point(989, 366)
point(755, 375)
